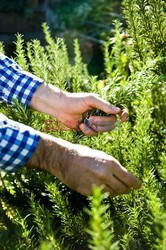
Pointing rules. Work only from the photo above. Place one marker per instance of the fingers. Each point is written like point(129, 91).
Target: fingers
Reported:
point(102, 124)
point(97, 120)
point(98, 124)
point(94, 101)
point(109, 190)
point(87, 130)
point(124, 115)
point(118, 186)
point(126, 177)
point(99, 128)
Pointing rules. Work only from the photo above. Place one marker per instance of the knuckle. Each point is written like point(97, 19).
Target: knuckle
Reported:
point(89, 99)
point(92, 96)
point(112, 162)
point(103, 173)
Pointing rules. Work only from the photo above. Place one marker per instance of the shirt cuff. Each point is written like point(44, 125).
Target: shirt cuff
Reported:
point(18, 143)
point(15, 83)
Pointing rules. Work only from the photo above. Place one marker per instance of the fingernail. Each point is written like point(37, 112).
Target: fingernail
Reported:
point(116, 109)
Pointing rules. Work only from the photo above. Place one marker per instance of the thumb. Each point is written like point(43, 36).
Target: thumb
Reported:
point(94, 101)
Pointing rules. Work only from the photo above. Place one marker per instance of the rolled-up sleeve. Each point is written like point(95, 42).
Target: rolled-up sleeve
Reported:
point(15, 83)
point(18, 142)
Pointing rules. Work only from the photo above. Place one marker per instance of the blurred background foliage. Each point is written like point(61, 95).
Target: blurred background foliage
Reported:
point(84, 15)
point(12, 5)
point(90, 21)
point(25, 6)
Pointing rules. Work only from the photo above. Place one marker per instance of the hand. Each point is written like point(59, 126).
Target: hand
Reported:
point(89, 167)
point(71, 108)
point(80, 167)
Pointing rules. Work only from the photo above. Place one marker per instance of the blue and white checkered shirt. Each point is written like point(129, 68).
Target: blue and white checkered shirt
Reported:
point(17, 141)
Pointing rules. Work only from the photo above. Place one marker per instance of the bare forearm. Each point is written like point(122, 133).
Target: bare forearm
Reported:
point(47, 99)
point(52, 155)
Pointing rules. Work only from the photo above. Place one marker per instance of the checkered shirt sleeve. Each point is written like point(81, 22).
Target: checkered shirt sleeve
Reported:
point(15, 83)
point(18, 142)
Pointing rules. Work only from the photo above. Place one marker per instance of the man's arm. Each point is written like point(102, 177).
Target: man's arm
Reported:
point(80, 167)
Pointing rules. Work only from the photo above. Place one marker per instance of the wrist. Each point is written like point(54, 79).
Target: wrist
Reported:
point(47, 99)
point(52, 155)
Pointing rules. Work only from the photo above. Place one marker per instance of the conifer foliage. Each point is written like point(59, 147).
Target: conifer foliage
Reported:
point(37, 211)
